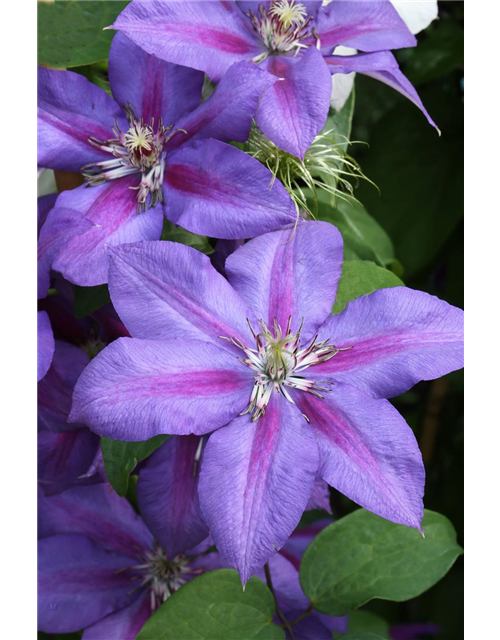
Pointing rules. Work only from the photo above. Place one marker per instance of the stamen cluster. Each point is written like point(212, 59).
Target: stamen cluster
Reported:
point(278, 361)
point(139, 150)
point(282, 28)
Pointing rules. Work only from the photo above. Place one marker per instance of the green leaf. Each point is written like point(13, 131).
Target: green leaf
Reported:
point(438, 54)
point(363, 556)
point(89, 299)
point(365, 621)
point(173, 233)
point(360, 279)
point(215, 607)
point(364, 238)
point(420, 177)
point(70, 34)
point(121, 458)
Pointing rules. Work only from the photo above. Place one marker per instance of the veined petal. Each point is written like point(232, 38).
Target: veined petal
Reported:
point(112, 211)
point(45, 344)
point(382, 66)
point(79, 583)
point(136, 389)
point(123, 624)
point(368, 452)
point(294, 110)
point(97, 513)
point(155, 88)
point(214, 189)
point(398, 337)
point(64, 459)
point(369, 25)
point(255, 482)
point(206, 36)
point(168, 290)
point(167, 493)
point(70, 110)
point(227, 114)
point(56, 388)
point(297, 274)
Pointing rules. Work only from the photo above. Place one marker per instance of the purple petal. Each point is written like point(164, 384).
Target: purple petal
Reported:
point(214, 189)
point(124, 624)
point(285, 578)
point(155, 89)
point(382, 66)
point(112, 208)
point(313, 627)
point(223, 249)
point(320, 496)
point(44, 206)
point(255, 482)
point(294, 110)
point(167, 493)
point(206, 36)
point(167, 290)
point(64, 459)
point(227, 114)
point(368, 452)
point(98, 513)
point(289, 273)
point(60, 227)
point(45, 344)
point(311, 6)
point(136, 389)
point(398, 336)
point(79, 583)
point(369, 25)
point(56, 389)
point(70, 110)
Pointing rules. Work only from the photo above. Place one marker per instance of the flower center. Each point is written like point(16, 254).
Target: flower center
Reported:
point(139, 150)
point(278, 361)
point(282, 28)
point(161, 575)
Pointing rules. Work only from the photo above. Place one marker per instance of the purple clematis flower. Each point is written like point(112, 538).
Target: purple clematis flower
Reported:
point(164, 152)
point(68, 454)
point(293, 40)
point(290, 391)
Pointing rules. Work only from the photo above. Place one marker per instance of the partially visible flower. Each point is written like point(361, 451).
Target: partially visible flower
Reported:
point(163, 152)
point(291, 392)
point(45, 344)
point(68, 454)
point(294, 40)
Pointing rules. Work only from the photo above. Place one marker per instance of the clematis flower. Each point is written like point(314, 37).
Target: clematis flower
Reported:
point(163, 152)
point(68, 454)
point(290, 391)
point(294, 40)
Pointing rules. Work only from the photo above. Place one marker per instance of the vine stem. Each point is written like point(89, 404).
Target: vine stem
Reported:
point(281, 616)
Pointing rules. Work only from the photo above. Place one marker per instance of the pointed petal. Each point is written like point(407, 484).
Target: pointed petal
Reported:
point(64, 459)
point(168, 290)
point(167, 493)
point(123, 624)
point(368, 452)
point(382, 66)
point(255, 482)
point(136, 389)
point(79, 583)
point(96, 512)
point(155, 88)
point(205, 36)
point(297, 274)
point(112, 210)
point(56, 388)
point(227, 114)
point(60, 227)
point(214, 189)
point(369, 26)
point(294, 110)
point(398, 336)
point(70, 110)
point(45, 344)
